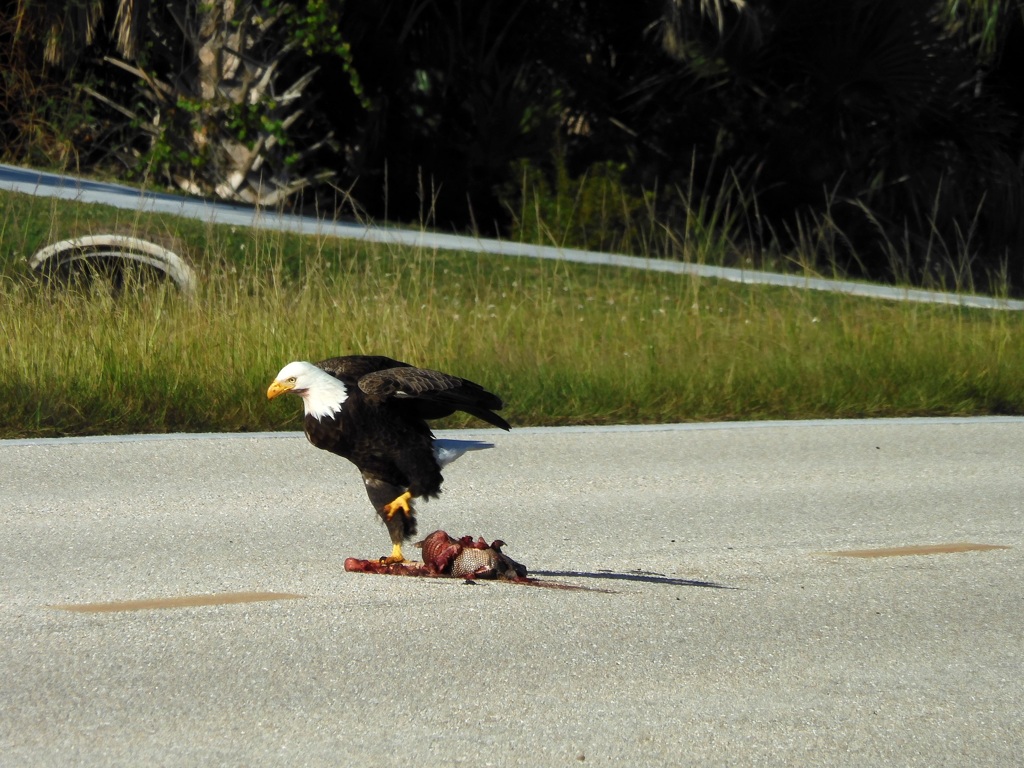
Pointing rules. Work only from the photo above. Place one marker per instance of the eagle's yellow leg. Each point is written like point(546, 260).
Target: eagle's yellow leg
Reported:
point(401, 503)
point(388, 511)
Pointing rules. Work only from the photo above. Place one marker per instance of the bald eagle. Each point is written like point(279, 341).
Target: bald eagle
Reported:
point(373, 411)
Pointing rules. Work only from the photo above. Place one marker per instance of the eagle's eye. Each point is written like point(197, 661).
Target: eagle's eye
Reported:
point(291, 379)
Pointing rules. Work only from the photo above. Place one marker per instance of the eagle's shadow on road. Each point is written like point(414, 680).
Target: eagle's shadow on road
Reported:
point(645, 577)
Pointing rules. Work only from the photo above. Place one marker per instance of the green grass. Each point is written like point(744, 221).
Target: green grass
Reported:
point(562, 343)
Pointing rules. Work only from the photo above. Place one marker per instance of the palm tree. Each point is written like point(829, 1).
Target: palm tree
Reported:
point(872, 114)
point(219, 105)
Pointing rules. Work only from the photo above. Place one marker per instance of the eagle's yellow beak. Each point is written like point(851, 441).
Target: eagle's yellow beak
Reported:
point(279, 388)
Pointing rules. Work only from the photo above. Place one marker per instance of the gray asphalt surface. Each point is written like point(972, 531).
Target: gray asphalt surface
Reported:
point(729, 635)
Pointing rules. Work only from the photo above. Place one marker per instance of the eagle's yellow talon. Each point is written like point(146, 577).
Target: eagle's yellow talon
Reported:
point(399, 504)
point(395, 556)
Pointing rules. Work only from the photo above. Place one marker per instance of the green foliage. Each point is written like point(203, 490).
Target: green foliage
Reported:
point(316, 27)
point(180, 91)
point(983, 22)
point(594, 211)
point(867, 112)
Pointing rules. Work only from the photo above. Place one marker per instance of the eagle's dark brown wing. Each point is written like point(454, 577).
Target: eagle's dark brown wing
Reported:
point(434, 394)
point(352, 368)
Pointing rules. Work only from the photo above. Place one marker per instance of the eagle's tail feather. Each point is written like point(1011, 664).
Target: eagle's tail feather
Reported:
point(446, 451)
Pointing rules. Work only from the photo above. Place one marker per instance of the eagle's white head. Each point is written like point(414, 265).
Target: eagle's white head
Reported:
point(322, 394)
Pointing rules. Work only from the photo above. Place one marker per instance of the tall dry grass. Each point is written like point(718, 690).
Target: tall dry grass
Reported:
point(562, 343)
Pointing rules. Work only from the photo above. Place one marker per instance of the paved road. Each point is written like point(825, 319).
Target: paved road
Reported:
point(729, 634)
point(32, 182)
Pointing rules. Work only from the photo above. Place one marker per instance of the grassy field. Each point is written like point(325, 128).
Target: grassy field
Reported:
point(562, 343)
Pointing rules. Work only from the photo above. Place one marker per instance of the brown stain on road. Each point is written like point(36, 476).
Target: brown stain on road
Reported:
point(924, 549)
point(186, 601)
